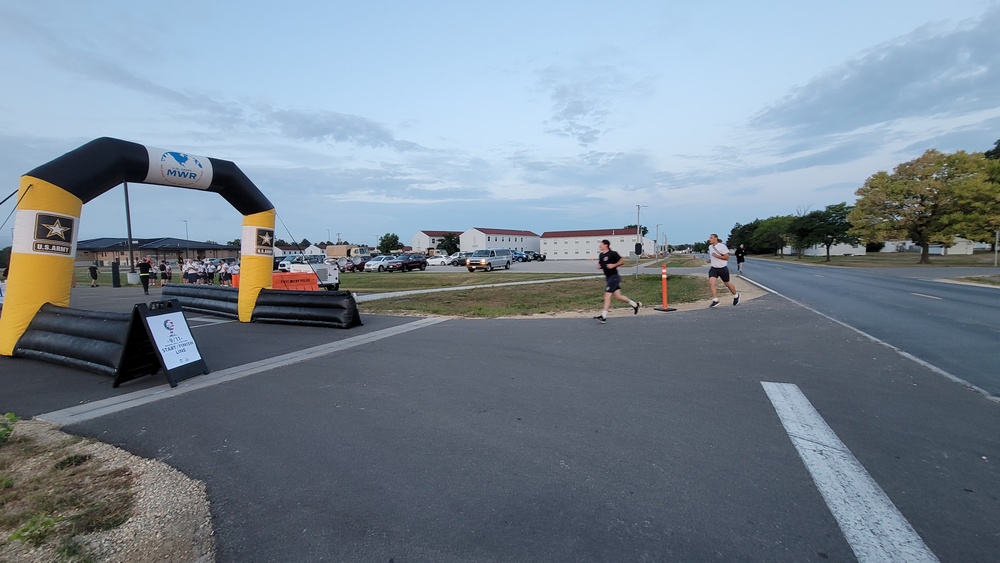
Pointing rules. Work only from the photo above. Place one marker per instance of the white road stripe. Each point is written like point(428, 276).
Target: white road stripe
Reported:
point(927, 296)
point(111, 405)
point(873, 526)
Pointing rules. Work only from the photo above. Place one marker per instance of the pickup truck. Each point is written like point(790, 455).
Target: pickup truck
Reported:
point(328, 274)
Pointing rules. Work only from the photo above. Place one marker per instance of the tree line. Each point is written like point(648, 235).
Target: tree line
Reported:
point(930, 200)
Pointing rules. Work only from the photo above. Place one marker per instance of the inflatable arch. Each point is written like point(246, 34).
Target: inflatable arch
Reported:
point(51, 197)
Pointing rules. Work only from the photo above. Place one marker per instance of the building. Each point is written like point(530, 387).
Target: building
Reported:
point(584, 245)
point(835, 250)
point(478, 237)
point(959, 246)
point(104, 251)
point(428, 241)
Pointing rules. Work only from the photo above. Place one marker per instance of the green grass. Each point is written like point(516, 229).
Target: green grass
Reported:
point(543, 298)
point(375, 282)
point(890, 259)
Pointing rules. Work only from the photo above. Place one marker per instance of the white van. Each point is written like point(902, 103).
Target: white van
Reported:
point(489, 258)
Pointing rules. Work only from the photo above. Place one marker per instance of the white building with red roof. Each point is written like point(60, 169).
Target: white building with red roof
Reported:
point(479, 237)
point(583, 245)
point(428, 241)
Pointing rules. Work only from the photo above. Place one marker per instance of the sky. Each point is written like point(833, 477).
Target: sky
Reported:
point(357, 119)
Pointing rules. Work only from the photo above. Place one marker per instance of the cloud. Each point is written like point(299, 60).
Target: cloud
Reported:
point(925, 73)
point(336, 127)
point(583, 97)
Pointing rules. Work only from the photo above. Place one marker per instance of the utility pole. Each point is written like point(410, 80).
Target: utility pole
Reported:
point(656, 241)
point(128, 227)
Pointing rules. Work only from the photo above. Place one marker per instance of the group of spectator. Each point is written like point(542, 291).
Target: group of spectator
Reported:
point(205, 272)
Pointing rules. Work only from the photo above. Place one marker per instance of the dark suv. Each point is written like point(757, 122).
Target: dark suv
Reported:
point(530, 255)
point(407, 262)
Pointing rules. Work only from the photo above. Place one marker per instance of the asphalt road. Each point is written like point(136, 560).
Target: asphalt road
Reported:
point(650, 438)
point(953, 327)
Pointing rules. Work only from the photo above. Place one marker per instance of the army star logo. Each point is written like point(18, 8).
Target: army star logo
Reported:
point(56, 229)
point(264, 237)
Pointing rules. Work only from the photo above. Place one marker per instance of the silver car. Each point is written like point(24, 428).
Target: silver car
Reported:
point(378, 263)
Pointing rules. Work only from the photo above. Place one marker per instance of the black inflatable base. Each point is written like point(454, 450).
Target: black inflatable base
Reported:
point(218, 300)
point(336, 309)
point(95, 341)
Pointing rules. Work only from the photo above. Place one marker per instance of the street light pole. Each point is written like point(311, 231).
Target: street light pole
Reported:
point(187, 241)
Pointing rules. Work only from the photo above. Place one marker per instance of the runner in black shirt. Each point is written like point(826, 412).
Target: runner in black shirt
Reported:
point(609, 261)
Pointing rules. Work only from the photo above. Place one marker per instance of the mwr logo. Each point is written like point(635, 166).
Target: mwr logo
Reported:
point(53, 233)
point(265, 241)
point(180, 169)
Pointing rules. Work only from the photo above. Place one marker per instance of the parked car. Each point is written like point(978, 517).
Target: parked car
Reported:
point(519, 256)
point(488, 259)
point(406, 262)
point(377, 264)
point(360, 261)
point(344, 264)
point(416, 262)
point(459, 258)
point(532, 255)
point(438, 260)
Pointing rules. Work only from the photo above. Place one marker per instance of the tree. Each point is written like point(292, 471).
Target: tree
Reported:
point(772, 234)
point(235, 242)
point(305, 242)
point(449, 243)
point(827, 227)
point(280, 242)
point(920, 200)
point(389, 242)
point(994, 153)
point(743, 234)
point(645, 230)
point(210, 241)
point(977, 211)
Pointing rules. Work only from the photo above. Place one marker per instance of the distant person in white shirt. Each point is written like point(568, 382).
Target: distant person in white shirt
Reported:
point(719, 260)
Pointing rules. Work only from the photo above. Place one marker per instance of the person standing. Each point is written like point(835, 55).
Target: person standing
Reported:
point(741, 257)
point(210, 272)
point(223, 273)
point(163, 272)
point(609, 261)
point(719, 269)
point(93, 275)
point(144, 270)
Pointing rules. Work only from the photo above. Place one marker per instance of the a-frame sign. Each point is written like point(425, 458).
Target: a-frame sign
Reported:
point(172, 342)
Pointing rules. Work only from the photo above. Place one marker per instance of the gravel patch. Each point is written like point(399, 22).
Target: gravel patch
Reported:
point(169, 519)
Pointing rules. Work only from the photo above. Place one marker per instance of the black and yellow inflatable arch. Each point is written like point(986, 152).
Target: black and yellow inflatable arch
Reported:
point(51, 197)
